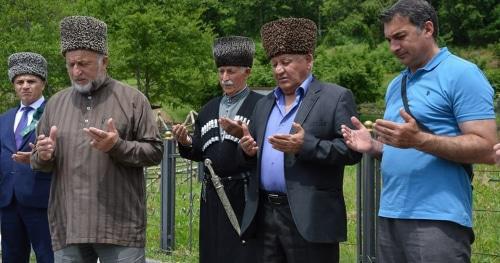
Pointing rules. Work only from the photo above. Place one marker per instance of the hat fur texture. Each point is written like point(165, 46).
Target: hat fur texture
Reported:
point(234, 51)
point(27, 63)
point(289, 36)
point(83, 32)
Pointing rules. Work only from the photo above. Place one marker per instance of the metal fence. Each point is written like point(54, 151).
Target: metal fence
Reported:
point(368, 184)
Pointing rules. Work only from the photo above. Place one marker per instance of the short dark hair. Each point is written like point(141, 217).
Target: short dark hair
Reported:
point(417, 11)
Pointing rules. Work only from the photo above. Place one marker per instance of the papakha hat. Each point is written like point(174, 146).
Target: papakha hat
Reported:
point(234, 51)
point(27, 63)
point(83, 32)
point(289, 36)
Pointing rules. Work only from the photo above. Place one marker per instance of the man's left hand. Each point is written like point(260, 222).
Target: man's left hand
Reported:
point(232, 127)
point(401, 135)
point(103, 140)
point(23, 157)
point(289, 143)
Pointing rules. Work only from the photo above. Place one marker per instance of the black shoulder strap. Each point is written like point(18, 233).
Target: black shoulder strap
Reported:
point(466, 166)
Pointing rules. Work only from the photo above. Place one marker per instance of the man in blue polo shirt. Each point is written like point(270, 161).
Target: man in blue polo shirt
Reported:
point(427, 145)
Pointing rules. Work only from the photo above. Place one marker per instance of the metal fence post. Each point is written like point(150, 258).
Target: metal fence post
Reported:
point(359, 227)
point(367, 192)
point(168, 197)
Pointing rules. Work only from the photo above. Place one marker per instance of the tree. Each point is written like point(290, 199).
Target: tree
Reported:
point(245, 17)
point(469, 22)
point(25, 27)
point(162, 47)
point(169, 54)
point(353, 67)
point(347, 21)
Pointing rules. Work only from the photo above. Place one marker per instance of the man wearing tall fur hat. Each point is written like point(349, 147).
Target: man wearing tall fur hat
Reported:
point(219, 242)
point(295, 206)
point(96, 136)
point(24, 193)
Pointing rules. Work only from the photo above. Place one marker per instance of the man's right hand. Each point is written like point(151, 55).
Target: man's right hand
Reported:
point(45, 146)
point(247, 143)
point(360, 140)
point(181, 134)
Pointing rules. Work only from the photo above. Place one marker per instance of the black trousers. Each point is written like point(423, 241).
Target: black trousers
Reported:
point(280, 242)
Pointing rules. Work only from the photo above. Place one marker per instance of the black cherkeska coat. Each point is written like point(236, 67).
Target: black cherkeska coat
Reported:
point(219, 242)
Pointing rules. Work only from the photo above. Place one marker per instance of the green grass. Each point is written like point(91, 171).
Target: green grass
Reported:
point(348, 249)
point(185, 250)
point(486, 214)
point(486, 202)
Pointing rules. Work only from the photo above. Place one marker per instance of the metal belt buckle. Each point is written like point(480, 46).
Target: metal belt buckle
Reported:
point(273, 199)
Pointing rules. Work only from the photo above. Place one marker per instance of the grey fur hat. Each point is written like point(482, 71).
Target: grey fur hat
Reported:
point(27, 63)
point(234, 51)
point(83, 32)
point(289, 36)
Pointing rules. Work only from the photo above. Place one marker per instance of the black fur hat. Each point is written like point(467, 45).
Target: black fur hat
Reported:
point(234, 51)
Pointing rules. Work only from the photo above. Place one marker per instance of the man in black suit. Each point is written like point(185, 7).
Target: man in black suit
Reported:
point(296, 204)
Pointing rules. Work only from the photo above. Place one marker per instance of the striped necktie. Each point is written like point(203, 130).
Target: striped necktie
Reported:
point(22, 124)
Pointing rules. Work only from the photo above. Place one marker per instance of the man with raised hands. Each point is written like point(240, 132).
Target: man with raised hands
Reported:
point(439, 120)
point(96, 136)
point(295, 206)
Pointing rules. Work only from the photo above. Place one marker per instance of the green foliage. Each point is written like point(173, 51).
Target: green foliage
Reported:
point(25, 27)
point(168, 52)
point(164, 46)
point(245, 17)
point(351, 66)
point(261, 71)
point(352, 21)
point(469, 22)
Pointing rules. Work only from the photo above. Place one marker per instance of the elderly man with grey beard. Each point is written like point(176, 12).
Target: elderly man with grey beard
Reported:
point(96, 137)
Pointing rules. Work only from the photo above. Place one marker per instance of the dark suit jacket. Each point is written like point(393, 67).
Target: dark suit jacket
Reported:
point(314, 176)
point(31, 188)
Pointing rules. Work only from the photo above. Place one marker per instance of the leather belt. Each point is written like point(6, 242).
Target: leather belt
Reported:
point(240, 176)
point(206, 182)
point(274, 198)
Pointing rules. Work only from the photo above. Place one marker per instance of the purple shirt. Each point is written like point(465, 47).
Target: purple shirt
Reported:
point(272, 168)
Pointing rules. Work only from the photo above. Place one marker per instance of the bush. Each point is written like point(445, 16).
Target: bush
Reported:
point(353, 67)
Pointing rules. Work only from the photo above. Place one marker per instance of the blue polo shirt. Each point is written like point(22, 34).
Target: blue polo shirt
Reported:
point(279, 122)
point(447, 91)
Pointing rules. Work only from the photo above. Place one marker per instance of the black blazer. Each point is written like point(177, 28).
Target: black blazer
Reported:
point(314, 176)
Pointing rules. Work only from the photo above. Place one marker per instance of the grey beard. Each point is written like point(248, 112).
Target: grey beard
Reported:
point(91, 86)
point(83, 89)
